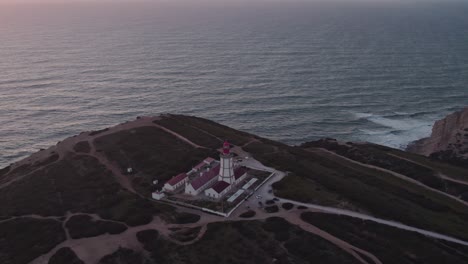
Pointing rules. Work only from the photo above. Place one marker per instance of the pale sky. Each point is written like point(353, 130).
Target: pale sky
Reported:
point(195, 1)
point(218, 2)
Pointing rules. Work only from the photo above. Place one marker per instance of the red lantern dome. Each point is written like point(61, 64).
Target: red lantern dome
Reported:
point(226, 147)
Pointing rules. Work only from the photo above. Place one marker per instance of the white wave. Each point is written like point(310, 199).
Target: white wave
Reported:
point(363, 115)
point(397, 133)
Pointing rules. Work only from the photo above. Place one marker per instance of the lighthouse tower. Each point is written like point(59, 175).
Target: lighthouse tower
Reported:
point(226, 170)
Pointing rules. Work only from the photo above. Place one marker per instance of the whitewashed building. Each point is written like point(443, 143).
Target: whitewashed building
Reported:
point(218, 190)
point(175, 182)
point(200, 183)
point(157, 195)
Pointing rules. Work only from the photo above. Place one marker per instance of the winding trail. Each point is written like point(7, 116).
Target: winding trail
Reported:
point(441, 175)
point(123, 180)
point(295, 219)
point(178, 136)
point(337, 211)
point(91, 250)
point(398, 175)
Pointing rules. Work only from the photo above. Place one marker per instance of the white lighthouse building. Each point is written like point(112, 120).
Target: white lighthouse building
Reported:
point(226, 171)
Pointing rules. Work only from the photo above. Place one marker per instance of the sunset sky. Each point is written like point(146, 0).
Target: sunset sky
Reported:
point(214, 1)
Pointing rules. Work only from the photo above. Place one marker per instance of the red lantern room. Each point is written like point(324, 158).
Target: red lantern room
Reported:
point(226, 147)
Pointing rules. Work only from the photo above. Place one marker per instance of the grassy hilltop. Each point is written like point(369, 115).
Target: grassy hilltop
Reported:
point(78, 189)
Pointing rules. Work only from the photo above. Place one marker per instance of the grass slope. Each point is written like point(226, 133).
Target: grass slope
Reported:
point(390, 245)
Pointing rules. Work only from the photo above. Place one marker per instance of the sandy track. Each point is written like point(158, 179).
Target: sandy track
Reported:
point(92, 249)
point(345, 246)
point(186, 140)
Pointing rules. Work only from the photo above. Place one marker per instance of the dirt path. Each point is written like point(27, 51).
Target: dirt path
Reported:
point(178, 136)
point(92, 249)
point(56, 218)
point(398, 175)
point(337, 211)
point(122, 179)
point(66, 146)
point(441, 175)
point(345, 246)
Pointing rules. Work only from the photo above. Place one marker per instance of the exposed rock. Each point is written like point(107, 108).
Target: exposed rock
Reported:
point(449, 136)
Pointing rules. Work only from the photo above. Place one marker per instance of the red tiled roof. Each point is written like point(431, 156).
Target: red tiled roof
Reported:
point(220, 186)
point(177, 179)
point(207, 176)
point(238, 172)
point(199, 166)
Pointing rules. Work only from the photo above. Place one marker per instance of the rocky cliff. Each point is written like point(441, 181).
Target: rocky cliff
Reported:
point(449, 138)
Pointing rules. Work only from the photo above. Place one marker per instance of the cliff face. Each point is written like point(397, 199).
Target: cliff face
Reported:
point(449, 137)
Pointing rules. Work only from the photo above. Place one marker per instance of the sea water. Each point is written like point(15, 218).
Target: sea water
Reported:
point(364, 71)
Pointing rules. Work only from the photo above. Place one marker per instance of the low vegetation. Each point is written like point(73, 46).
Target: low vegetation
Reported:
point(413, 166)
point(149, 238)
point(181, 218)
point(152, 153)
point(305, 189)
point(124, 256)
point(82, 147)
point(80, 226)
point(272, 209)
point(214, 129)
point(24, 239)
point(248, 214)
point(390, 245)
point(368, 189)
point(245, 242)
point(79, 183)
point(74, 183)
point(186, 234)
point(65, 255)
point(198, 136)
point(328, 180)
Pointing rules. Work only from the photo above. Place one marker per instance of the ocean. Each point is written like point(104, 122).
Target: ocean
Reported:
point(294, 72)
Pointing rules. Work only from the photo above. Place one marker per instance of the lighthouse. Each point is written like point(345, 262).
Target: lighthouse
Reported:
point(226, 171)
